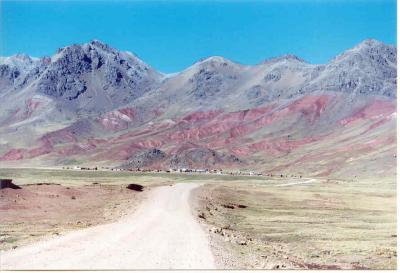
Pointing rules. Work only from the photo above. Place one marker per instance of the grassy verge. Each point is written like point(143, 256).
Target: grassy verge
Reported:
point(325, 225)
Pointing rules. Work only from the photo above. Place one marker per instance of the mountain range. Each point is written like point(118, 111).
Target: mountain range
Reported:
point(91, 104)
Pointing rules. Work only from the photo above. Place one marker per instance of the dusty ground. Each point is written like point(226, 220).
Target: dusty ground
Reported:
point(253, 222)
point(71, 200)
point(319, 224)
point(36, 211)
point(162, 234)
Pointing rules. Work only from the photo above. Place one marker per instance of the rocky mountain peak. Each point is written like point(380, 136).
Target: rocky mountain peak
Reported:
point(285, 58)
point(369, 68)
point(87, 52)
point(214, 60)
point(21, 61)
point(100, 45)
point(210, 77)
point(370, 43)
point(22, 57)
point(370, 50)
point(80, 72)
point(17, 70)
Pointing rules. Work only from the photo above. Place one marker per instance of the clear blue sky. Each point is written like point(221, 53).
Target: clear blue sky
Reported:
point(171, 35)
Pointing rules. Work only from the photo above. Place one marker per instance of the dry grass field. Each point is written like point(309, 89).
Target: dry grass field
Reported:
point(310, 224)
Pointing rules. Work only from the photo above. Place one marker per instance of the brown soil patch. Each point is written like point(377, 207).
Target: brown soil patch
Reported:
point(39, 210)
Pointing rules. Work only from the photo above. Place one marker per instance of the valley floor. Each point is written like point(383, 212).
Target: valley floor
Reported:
point(91, 221)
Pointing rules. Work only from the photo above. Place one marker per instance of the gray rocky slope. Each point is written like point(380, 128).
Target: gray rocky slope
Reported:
point(215, 83)
point(88, 78)
point(95, 78)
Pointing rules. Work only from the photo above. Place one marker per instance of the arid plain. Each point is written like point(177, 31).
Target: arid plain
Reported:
point(243, 221)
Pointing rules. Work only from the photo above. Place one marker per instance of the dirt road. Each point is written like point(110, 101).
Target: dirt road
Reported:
point(297, 183)
point(162, 234)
